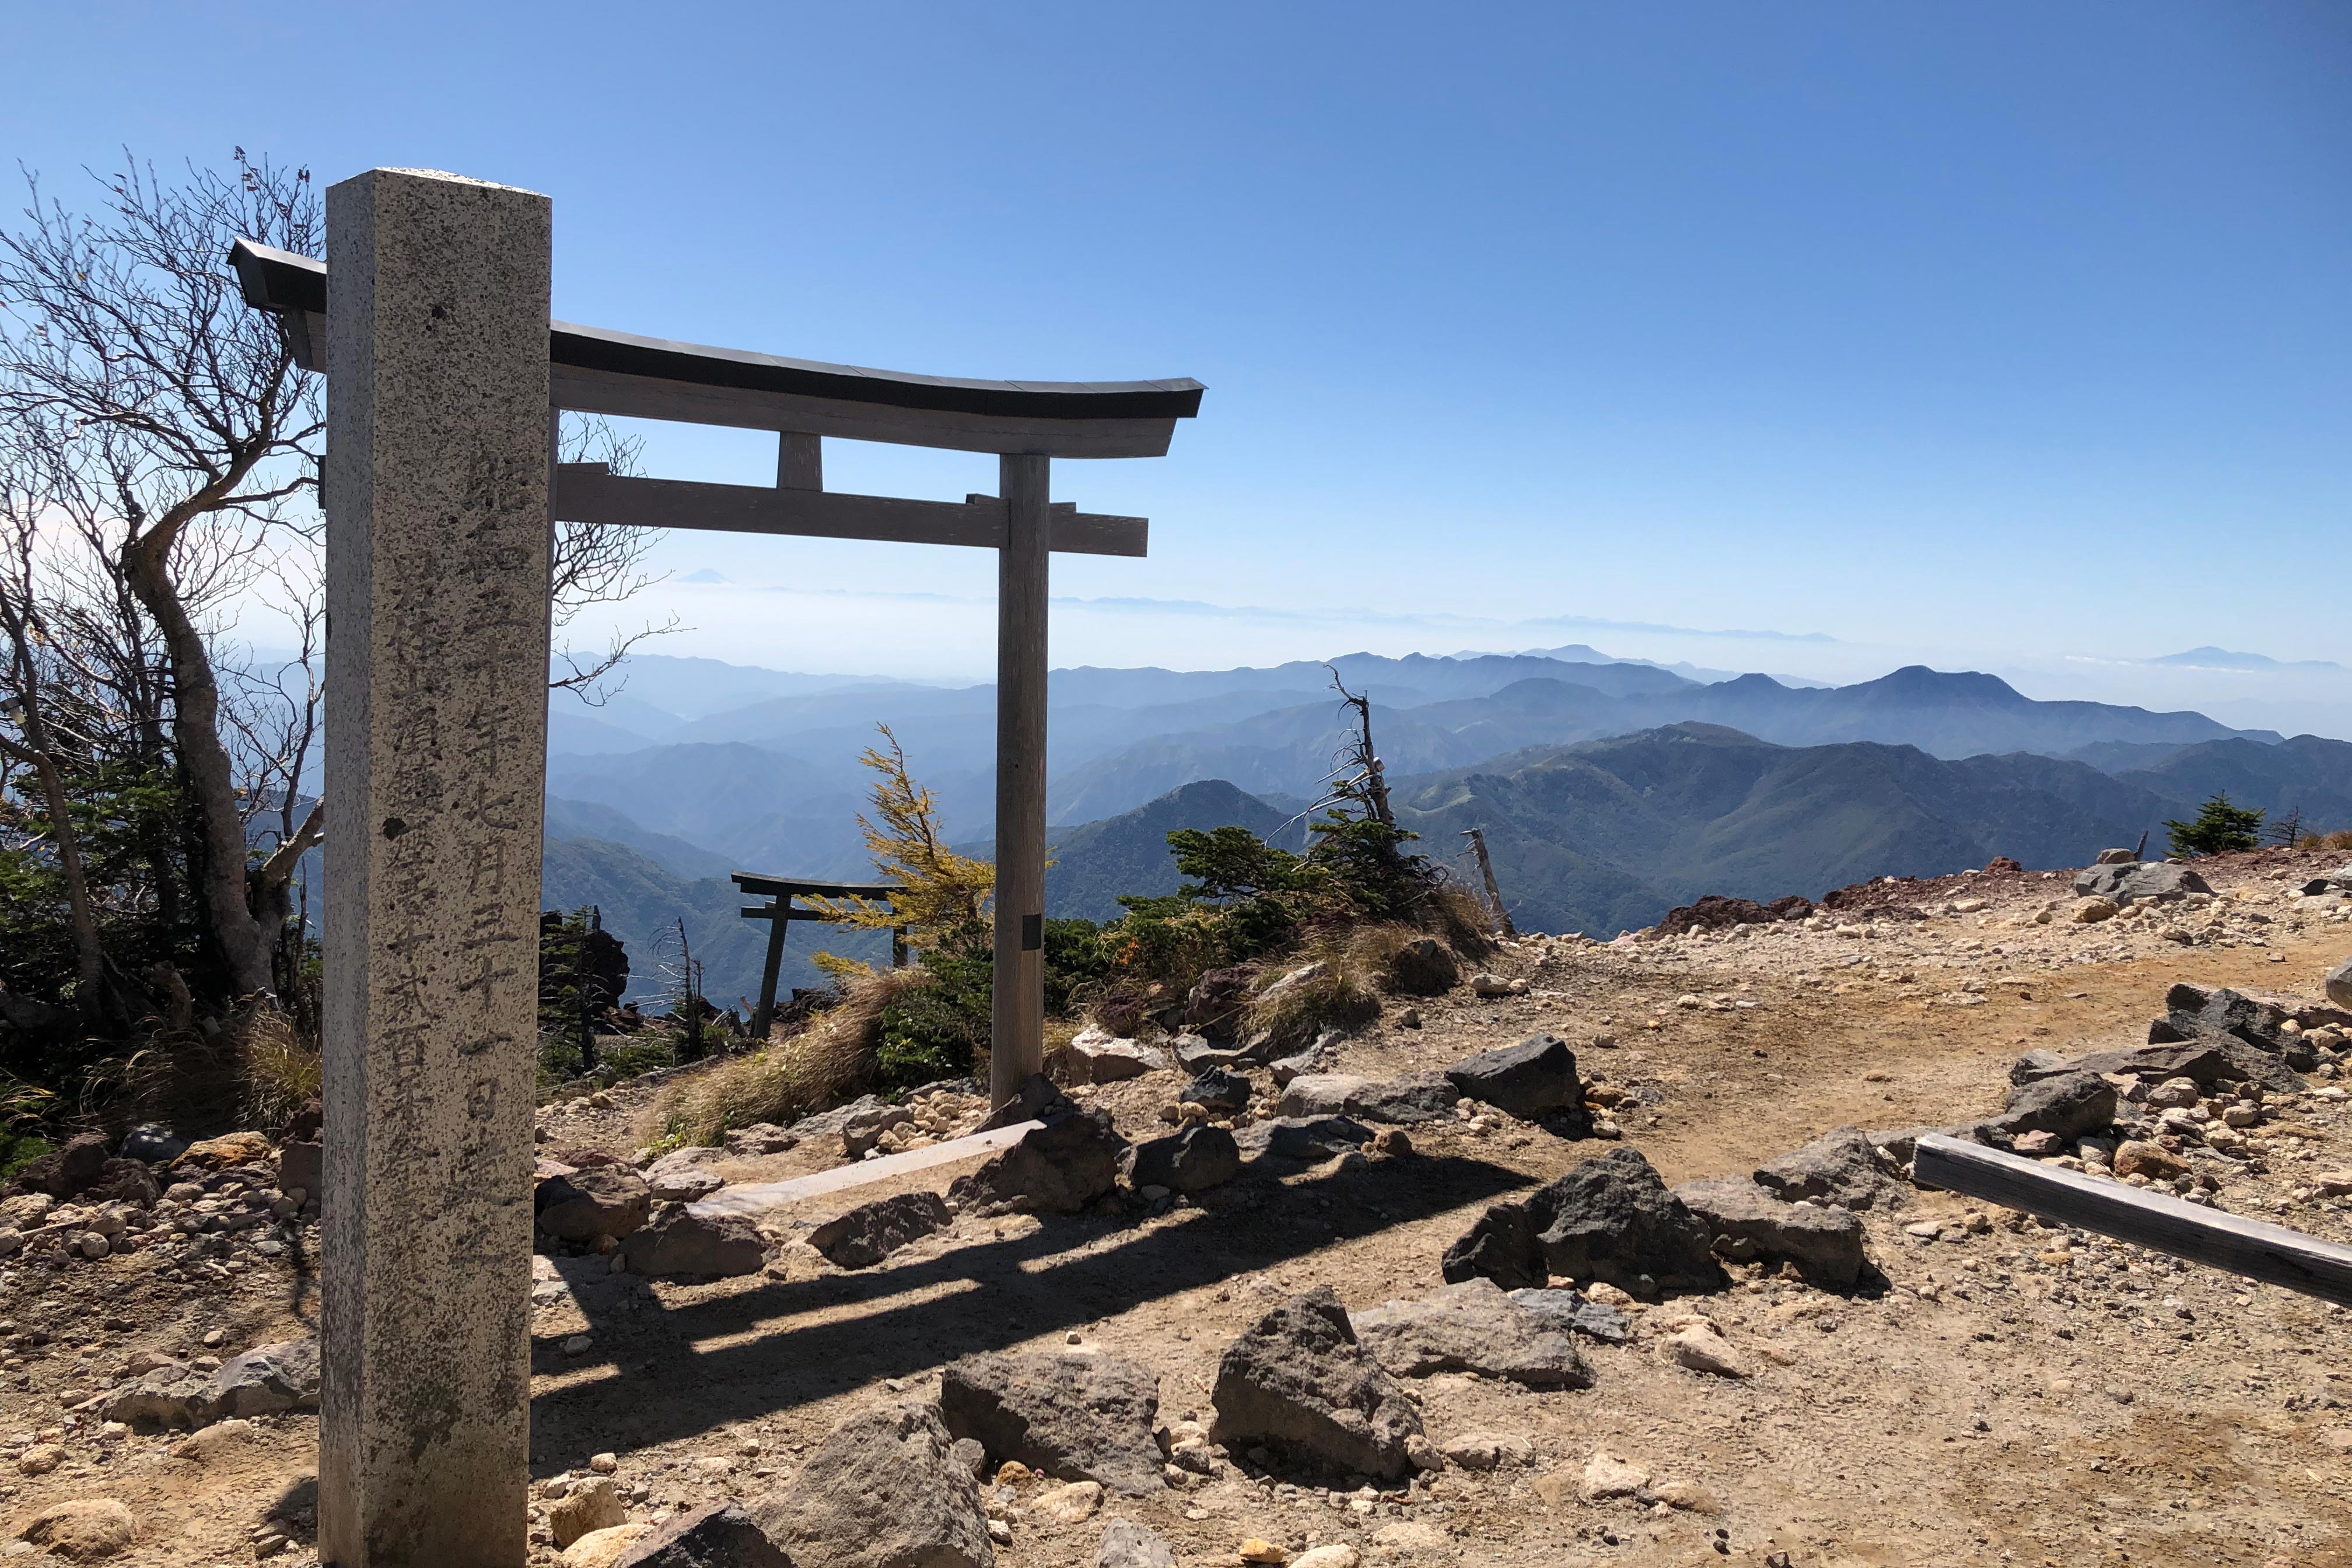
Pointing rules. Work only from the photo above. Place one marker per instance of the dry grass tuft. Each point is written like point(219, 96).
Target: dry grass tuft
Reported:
point(1343, 995)
point(2342, 840)
point(281, 1074)
point(833, 1059)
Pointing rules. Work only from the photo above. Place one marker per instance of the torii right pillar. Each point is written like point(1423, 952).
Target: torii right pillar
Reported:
point(1017, 1038)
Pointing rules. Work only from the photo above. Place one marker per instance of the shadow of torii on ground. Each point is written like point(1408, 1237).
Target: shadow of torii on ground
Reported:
point(1058, 1277)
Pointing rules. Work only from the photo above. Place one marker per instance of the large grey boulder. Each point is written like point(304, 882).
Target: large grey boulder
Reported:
point(1127, 1544)
point(1749, 1223)
point(1610, 1218)
point(1297, 1380)
point(1310, 1140)
point(1192, 1160)
point(596, 1201)
point(267, 1380)
point(1841, 1166)
point(2204, 1060)
point(261, 1382)
point(687, 1239)
point(2139, 881)
point(1075, 1417)
point(1427, 1097)
point(2339, 983)
point(2067, 1106)
point(1472, 1327)
point(883, 1490)
point(871, 1232)
point(2195, 1012)
point(1059, 1168)
point(1320, 1094)
point(860, 1125)
point(1407, 1101)
point(1533, 1079)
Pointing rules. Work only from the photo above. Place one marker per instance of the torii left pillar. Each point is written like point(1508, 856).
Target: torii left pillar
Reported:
point(437, 495)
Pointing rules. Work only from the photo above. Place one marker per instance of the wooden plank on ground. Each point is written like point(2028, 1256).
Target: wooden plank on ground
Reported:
point(2255, 1248)
point(767, 1195)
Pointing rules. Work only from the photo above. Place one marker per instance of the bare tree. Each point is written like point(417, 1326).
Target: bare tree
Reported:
point(597, 564)
point(188, 415)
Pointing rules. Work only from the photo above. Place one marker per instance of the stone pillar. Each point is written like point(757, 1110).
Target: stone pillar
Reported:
point(1017, 1040)
point(436, 490)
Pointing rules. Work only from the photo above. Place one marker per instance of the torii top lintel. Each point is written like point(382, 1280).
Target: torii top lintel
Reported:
point(594, 371)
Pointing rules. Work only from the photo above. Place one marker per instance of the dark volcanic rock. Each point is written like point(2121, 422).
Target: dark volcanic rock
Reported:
point(1059, 1168)
point(689, 1239)
point(1406, 1101)
point(2133, 882)
point(1308, 1139)
point(1472, 1327)
point(1423, 967)
point(1569, 1309)
point(1749, 1223)
point(1220, 1090)
point(64, 1172)
point(1075, 1417)
point(717, 1535)
point(153, 1142)
point(871, 1232)
point(1841, 1167)
point(1192, 1160)
point(599, 1200)
point(2193, 1013)
point(883, 1490)
point(1713, 912)
point(1298, 1380)
point(1610, 1218)
point(2068, 1106)
point(1533, 1079)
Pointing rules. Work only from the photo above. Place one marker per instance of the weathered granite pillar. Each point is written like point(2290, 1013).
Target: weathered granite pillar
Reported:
point(436, 490)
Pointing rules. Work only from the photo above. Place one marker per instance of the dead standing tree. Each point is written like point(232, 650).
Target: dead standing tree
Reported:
point(1359, 759)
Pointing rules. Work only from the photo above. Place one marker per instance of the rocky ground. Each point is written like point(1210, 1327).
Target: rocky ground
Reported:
point(1985, 1390)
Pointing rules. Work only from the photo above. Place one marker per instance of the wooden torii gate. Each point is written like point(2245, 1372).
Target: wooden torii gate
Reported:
point(446, 382)
point(780, 912)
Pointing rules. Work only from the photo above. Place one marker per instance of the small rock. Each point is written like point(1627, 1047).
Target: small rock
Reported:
point(760, 1140)
point(40, 1460)
point(1338, 1555)
point(1488, 1450)
point(1072, 1504)
point(600, 1200)
point(1125, 1544)
point(1688, 1496)
point(602, 1548)
point(1704, 1349)
point(1057, 1168)
point(2139, 1157)
point(82, 1530)
point(1606, 1476)
point(595, 1506)
point(2090, 912)
point(1257, 1549)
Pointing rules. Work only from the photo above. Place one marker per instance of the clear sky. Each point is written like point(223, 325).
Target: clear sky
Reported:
point(2001, 333)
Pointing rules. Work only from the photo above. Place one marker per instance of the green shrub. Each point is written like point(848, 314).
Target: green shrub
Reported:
point(2220, 827)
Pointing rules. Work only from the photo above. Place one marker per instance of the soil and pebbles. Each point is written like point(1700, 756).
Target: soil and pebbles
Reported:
point(1407, 1301)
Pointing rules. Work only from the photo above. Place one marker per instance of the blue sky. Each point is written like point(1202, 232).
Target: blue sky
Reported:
point(1983, 335)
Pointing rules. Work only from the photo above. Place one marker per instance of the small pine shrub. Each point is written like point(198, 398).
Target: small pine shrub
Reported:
point(2219, 829)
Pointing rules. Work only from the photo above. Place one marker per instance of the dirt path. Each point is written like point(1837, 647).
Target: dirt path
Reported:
point(2010, 1395)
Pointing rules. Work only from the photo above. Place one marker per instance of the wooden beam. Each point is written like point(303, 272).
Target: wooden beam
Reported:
point(800, 461)
point(787, 887)
point(1017, 1040)
point(763, 1197)
point(588, 391)
point(2255, 1248)
point(590, 492)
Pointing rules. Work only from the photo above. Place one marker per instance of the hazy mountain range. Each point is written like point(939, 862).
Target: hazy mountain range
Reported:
point(1609, 789)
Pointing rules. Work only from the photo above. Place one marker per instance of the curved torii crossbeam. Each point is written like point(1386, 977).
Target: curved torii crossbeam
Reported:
point(445, 378)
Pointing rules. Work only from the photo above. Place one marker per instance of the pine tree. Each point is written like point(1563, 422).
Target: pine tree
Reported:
point(2220, 827)
point(939, 891)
